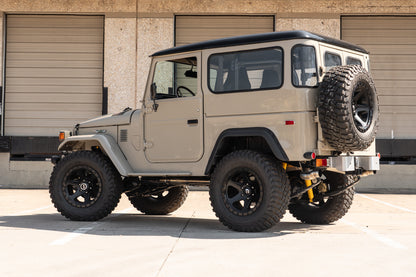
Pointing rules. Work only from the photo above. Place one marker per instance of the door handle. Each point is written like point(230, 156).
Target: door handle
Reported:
point(192, 121)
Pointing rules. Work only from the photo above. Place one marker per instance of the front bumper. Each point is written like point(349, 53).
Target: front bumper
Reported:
point(354, 163)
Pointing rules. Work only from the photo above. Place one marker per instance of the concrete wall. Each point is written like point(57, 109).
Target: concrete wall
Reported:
point(397, 178)
point(134, 29)
point(153, 34)
point(16, 174)
point(120, 62)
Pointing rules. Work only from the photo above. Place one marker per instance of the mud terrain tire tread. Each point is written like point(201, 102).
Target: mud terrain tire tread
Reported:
point(275, 185)
point(168, 204)
point(111, 186)
point(335, 108)
point(335, 207)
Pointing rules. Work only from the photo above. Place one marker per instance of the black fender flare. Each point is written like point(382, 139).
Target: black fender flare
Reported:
point(263, 132)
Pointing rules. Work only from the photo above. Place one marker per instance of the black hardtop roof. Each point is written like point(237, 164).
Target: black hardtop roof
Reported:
point(258, 38)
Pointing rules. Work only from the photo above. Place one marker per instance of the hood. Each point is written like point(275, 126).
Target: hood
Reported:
point(122, 118)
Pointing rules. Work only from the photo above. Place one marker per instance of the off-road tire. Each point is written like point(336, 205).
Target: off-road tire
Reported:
point(332, 209)
point(162, 203)
point(85, 186)
point(259, 174)
point(348, 108)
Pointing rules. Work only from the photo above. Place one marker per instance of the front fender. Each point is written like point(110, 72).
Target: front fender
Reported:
point(107, 144)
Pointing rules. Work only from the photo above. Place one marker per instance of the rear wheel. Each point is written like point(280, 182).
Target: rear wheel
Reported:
point(160, 203)
point(249, 191)
point(323, 210)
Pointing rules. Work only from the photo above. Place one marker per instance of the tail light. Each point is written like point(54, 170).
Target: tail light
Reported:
point(321, 162)
point(309, 155)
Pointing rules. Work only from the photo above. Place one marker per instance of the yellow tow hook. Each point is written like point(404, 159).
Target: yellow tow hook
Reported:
point(284, 166)
point(310, 192)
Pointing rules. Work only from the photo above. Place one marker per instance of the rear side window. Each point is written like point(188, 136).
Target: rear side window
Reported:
point(304, 66)
point(246, 70)
point(332, 60)
point(351, 60)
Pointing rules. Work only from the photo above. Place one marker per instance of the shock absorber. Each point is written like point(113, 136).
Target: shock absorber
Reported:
point(308, 177)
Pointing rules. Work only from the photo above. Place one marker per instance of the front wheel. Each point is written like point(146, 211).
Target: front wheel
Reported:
point(85, 186)
point(249, 191)
point(323, 210)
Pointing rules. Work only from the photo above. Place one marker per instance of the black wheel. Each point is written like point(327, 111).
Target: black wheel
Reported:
point(249, 191)
point(85, 186)
point(160, 203)
point(323, 210)
point(348, 108)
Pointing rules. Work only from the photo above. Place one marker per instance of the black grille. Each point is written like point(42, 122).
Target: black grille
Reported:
point(123, 135)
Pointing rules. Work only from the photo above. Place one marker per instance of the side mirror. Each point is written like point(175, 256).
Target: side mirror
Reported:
point(153, 89)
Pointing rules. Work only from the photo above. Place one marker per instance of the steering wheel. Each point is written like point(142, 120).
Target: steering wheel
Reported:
point(179, 94)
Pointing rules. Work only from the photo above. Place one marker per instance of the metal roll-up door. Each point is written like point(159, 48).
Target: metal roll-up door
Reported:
point(391, 42)
point(190, 29)
point(54, 72)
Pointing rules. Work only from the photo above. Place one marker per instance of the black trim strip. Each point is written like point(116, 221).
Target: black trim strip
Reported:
point(247, 51)
point(104, 109)
point(265, 133)
point(258, 38)
point(292, 65)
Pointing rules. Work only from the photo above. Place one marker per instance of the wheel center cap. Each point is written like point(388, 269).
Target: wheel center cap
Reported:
point(247, 191)
point(83, 186)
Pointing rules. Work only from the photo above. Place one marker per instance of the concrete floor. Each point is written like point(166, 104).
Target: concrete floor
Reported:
point(376, 238)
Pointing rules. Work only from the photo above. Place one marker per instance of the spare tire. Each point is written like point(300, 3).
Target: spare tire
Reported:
point(348, 108)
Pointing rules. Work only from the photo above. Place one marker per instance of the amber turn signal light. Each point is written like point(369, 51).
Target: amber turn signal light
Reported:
point(61, 136)
point(321, 162)
point(64, 134)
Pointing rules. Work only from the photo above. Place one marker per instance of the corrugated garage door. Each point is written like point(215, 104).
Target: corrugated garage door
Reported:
point(392, 45)
point(190, 29)
point(54, 72)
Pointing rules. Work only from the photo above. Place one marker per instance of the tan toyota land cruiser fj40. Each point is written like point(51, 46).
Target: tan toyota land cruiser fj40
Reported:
point(268, 122)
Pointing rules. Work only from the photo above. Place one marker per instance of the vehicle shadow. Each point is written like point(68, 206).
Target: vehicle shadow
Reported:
point(146, 225)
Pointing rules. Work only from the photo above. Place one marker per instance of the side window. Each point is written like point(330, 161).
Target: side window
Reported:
point(246, 70)
point(176, 78)
point(332, 60)
point(304, 66)
point(351, 60)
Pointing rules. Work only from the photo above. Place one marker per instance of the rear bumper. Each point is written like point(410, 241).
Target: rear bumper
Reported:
point(354, 163)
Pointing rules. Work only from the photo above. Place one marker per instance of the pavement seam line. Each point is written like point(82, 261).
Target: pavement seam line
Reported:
point(385, 240)
point(174, 245)
point(74, 234)
point(387, 204)
point(32, 210)
point(83, 230)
